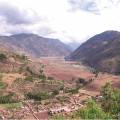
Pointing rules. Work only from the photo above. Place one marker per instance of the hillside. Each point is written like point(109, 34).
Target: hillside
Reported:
point(101, 52)
point(35, 45)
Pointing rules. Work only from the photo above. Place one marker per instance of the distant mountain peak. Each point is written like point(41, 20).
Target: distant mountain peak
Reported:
point(35, 45)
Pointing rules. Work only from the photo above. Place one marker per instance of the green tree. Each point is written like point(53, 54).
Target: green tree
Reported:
point(91, 111)
point(111, 100)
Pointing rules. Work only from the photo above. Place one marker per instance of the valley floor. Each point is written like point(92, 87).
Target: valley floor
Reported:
point(67, 72)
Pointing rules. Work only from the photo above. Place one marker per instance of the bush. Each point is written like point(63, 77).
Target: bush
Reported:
point(55, 92)
point(91, 111)
point(50, 78)
point(21, 57)
point(29, 78)
point(81, 81)
point(30, 71)
point(2, 85)
point(43, 77)
point(71, 90)
point(2, 57)
point(111, 100)
point(37, 96)
point(7, 99)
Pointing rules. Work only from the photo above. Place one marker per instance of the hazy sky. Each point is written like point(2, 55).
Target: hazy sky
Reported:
point(67, 20)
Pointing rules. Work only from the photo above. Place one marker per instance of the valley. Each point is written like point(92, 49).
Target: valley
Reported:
point(59, 60)
point(47, 87)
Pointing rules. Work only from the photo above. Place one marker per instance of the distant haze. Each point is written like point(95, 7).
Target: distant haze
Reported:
point(67, 20)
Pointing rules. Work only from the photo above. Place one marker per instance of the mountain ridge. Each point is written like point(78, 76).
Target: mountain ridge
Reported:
point(101, 52)
point(35, 45)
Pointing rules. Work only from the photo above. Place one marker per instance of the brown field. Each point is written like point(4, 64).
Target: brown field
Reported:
point(102, 79)
point(69, 71)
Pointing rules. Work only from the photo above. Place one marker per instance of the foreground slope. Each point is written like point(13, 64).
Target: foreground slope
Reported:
point(101, 52)
point(35, 45)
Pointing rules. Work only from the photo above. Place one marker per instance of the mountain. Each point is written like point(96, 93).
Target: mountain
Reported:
point(35, 45)
point(101, 52)
point(74, 45)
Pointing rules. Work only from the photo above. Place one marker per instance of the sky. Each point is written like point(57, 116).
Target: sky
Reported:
point(67, 20)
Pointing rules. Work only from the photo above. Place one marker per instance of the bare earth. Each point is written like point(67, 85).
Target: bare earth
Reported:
point(68, 71)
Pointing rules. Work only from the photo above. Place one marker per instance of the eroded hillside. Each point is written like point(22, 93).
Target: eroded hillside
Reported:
point(101, 52)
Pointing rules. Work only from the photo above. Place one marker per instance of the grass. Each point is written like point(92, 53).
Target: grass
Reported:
point(11, 105)
point(29, 78)
point(71, 90)
point(57, 117)
point(2, 85)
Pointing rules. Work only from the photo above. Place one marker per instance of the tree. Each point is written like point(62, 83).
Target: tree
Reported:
point(111, 100)
point(91, 111)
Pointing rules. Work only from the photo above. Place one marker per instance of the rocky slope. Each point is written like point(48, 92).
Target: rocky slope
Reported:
point(101, 52)
point(35, 45)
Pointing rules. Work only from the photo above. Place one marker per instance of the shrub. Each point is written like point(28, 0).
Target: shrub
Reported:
point(50, 78)
point(111, 100)
point(2, 57)
point(29, 70)
point(81, 81)
point(91, 111)
point(43, 77)
point(37, 96)
point(2, 85)
point(55, 92)
point(21, 57)
point(1, 76)
point(29, 78)
point(71, 90)
point(7, 99)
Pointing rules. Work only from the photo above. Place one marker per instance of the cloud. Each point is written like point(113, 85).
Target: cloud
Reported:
point(45, 31)
point(67, 20)
point(93, 6)
point(14, 15)
point(86, 5)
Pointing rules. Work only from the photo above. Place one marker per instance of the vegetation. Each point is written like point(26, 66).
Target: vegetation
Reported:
point(55, 92)
point(38, 96)
point(43, 77)
point(11, 105)
point(96, 72)
point(107, 108)
point(29, 78)
point(81, 82)
point(71, 90)
point(21, 57)
point(91, 111)
point(7, 99)
point(18, 80)
point(2, 85)
point(1, 76)
point(111, 100)
point(30, 71)
point(2, 57)
point(50, 78)
point(57, 117)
